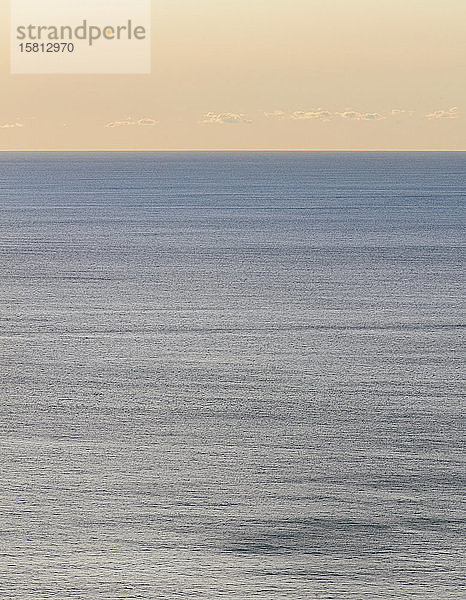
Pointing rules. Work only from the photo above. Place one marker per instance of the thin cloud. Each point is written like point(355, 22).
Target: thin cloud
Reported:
point(11, 125)
point(318, 114)
point(275, 114)
point(451, 113)
point(132, 123)
point(225, 118)
point(324, 115)
point(354, 115)
point(397, 112)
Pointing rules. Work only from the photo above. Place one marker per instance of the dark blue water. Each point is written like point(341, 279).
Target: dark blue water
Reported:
point(232, 376)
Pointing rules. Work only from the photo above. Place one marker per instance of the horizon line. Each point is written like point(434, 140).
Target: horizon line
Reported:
point(141, 150)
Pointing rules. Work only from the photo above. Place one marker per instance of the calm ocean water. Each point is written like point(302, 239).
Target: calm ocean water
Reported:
point(231, 376)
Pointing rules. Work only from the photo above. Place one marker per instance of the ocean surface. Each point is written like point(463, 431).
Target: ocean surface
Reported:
point(233, 375)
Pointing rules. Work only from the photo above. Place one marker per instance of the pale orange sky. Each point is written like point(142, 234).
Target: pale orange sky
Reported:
point(261, 74)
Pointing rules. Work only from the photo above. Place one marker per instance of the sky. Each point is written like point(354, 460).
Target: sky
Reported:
point(260, 75)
